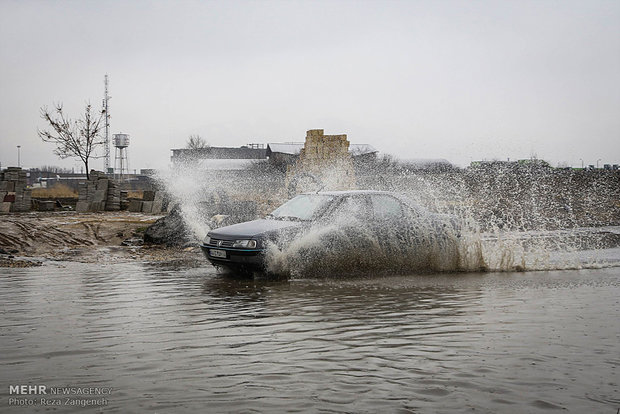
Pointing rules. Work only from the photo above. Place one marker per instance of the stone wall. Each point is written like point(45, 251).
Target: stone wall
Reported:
point(327, 157)
point(151, 202)
point(14, 195)
point(100, 193)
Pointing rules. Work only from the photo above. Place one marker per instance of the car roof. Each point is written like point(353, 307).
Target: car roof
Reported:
point(399, 196)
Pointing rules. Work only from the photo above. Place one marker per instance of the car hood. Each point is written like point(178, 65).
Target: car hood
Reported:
point(253, 228)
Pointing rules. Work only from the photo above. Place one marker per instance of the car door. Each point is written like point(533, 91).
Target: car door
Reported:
point(346, 223)
point(352, 208)
point(390, 222)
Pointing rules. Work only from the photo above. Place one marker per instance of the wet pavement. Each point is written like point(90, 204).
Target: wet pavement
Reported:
point(175, 339)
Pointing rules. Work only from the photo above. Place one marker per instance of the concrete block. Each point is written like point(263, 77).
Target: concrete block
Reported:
point(19, 205)
point(102, 185)
point(148, 195)
point(10, 186)
point(96, 206)
point(157, 207)
point(82, 206)
point(135, 206)
point(100, 195)
point(47, 205)
point(112, 205)
point(147, 206)
point(5, 207)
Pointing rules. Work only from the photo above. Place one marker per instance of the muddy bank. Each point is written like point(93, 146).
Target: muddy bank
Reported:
point(29, 238)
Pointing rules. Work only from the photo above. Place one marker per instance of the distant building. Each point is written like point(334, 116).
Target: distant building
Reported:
point(284, 153)
point(288, 152)
point(495, 164)
point(425, 163)
point(220, 158)
point(237, 158)
point(148, 172)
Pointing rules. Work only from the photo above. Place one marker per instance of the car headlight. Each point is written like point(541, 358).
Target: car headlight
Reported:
point(207, 240)
point(245, 244)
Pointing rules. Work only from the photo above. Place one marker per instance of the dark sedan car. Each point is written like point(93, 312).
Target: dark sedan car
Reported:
point(242, 246)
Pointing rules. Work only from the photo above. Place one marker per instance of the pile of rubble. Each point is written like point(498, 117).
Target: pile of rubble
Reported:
point(100, 193)
point(14, 195)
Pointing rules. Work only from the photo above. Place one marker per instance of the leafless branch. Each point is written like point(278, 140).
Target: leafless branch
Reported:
point(196, 142)
point(73, 138)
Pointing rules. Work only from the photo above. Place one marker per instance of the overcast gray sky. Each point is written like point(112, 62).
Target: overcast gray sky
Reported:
point(461, 80)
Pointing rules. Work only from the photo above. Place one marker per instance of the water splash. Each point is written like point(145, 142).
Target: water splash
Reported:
point(186, 188)
point(511, 218)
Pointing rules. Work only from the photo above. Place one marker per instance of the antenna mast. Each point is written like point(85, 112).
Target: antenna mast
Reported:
point(106, 108)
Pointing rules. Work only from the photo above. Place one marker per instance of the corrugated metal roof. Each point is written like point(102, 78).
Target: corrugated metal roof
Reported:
point(361, 149)
point(292, 148)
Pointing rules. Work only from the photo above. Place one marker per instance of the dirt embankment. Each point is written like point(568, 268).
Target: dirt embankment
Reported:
point(83, 237)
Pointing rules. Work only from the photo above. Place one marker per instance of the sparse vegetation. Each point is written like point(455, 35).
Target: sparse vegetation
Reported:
point(73, 138)
point(196, 142)
point(52, 169)
point(59, 190)
point(135, 194)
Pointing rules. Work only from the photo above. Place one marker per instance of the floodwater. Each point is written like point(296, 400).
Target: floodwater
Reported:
point(193, 340)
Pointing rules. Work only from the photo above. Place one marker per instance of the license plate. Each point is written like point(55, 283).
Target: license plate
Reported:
point(218, 253)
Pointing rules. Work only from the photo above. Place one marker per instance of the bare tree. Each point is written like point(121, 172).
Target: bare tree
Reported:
point(79, 138)
point(196, 142)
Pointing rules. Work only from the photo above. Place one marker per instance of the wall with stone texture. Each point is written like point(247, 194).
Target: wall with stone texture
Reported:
point(14, 194)
point(328, 158)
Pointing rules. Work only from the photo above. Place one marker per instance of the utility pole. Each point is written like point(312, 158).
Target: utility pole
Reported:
point(19, 163)
point(106, 108)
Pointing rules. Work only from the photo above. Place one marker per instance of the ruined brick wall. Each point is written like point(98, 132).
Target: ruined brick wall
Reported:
point(327, 157)
point(321, 149)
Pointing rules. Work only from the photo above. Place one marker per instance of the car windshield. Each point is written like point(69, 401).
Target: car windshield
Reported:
point(303, 207)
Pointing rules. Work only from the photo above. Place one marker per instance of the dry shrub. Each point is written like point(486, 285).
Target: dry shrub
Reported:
point(59, 190)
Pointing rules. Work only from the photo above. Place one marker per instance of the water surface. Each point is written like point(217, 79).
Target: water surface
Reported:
point(193, 340)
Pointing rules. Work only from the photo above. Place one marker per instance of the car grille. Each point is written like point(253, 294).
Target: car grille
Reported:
point(221, 243)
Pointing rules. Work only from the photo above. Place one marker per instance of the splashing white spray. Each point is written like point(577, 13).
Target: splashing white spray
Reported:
point(186, 187)
point(502, 218)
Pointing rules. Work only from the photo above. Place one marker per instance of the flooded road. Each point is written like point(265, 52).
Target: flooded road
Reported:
point(193, 340)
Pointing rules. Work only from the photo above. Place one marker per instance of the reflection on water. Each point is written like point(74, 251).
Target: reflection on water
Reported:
point(191, 340)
